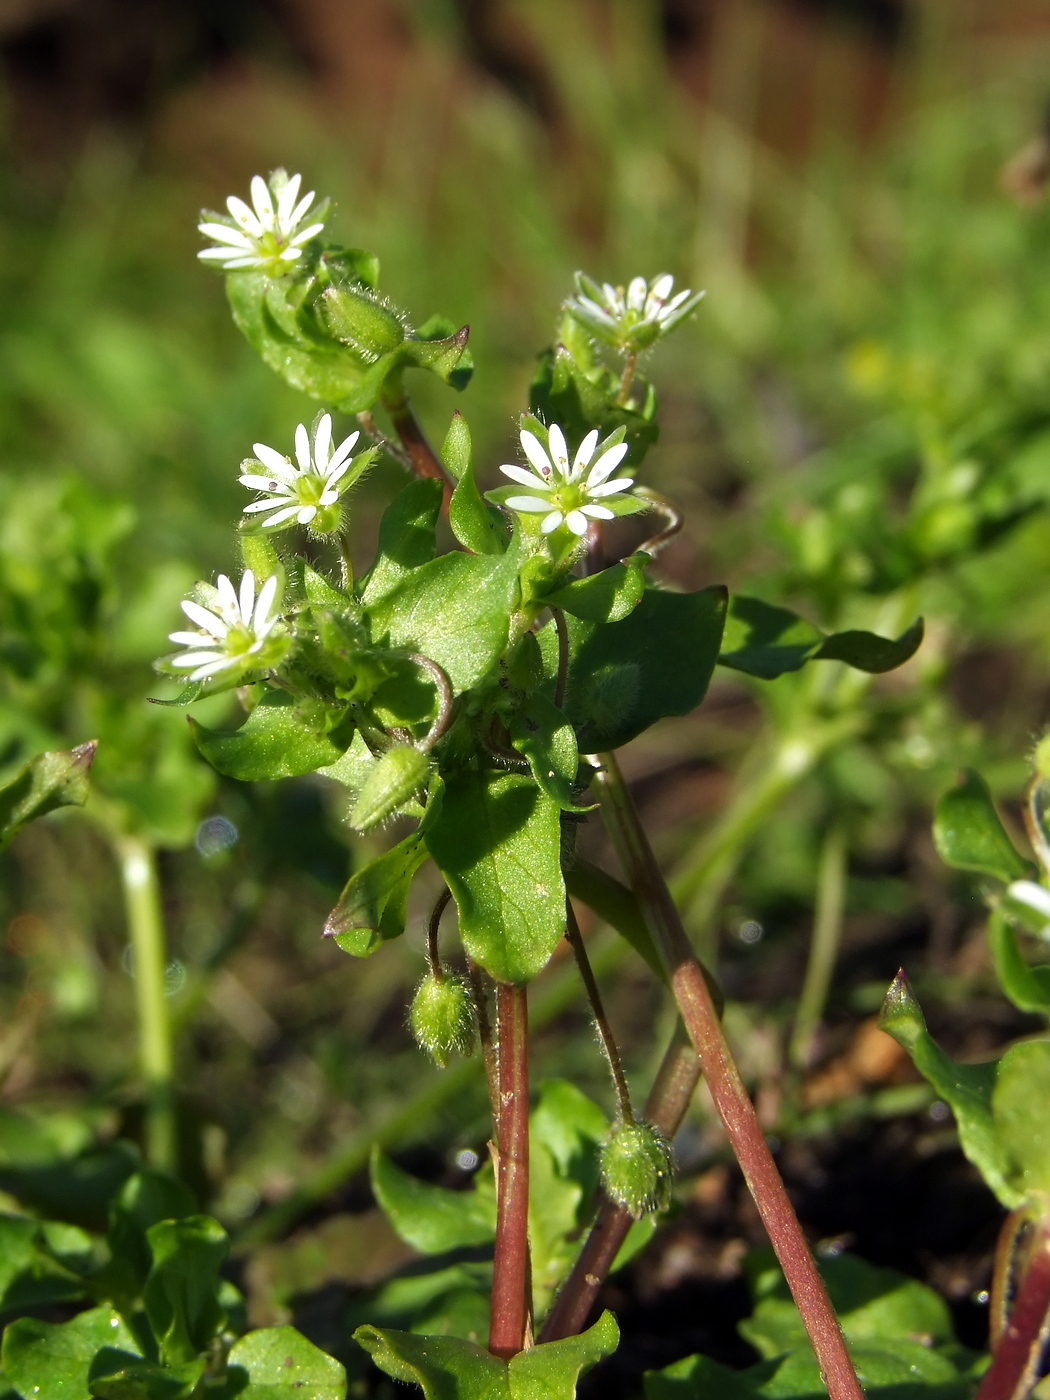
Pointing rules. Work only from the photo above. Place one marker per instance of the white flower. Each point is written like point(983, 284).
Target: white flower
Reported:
point(1034, 898)
point(301, 492)
point(634, 318)
point(232, 632)
point(267, 236)
point(563, 492)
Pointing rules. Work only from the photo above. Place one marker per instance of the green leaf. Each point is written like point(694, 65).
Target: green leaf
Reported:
point(564, 392)
point(969, 835)
point(1027, 987)
point(371, 908)
point(457, 452)
point(58, 779)
point(477, 525)
point(767, 641)
point(144, 1199)
point(1019, 1108)
point(30, 1274)
point(431, 1218)
point(448, 1368)
point(613, 902)
point(76, 1188)
point(967, 1089)
point(624, 676)
point(497, 841)
point(608, 596)
point(278, 1363)
point(52, 1361)
point(279, 739)
point(181, 1292)
point(454, 610)
point(542, 735)
point(439, 327)
point(113, 1379)
point(441, 1301)
point(406, 537)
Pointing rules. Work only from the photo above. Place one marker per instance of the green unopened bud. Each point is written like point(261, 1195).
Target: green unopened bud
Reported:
point(637, 1168)
point(395, 779)
point(443, 1017)
point(362, 321)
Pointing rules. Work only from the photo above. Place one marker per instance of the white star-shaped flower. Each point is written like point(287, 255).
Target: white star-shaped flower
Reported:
point(265, 234)
point(567, 494)
point(232, 633)
point(302, 492)
point(633, 318)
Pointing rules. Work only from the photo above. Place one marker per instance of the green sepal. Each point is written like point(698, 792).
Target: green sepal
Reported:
point(448, 1368)
point(1027, 987)
point(279, 739)
point(767, 641)
point(497, 841)
point(181, 1292)
point(608, 596)
point(477, 525)
point(542, 735)
point(431, 1218)
point(624, 676)
point(56, 779)
point(969, 835)
point(278, 1363)
point(407, 537)
point(967, 1089)
point(371, 909)
point(186, 696)
point(53, 1361)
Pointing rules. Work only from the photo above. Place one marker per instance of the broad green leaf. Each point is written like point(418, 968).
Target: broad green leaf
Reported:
point(766, 641)
point(477, 525)
point(279, 739)
point(616, 904)
point(449, 1301)
point(78, 1187)
point(866, 651)
point(371, 908)
point(1027, 987)
point(454, 610)
point(967, 1089)
point(50, 780)
point(497, 841)
point(278, 1363)
point(144, 1199)
point(542, 735)
point(969, 835)
point(624, 676)
point(431, 1218)
point(52, 1361)
point(114, 1379)
point(181, 1292)
point(1019, 1110)
point(448, 1368)
point(406, 537)
point(608, 596)
point(30, 1273)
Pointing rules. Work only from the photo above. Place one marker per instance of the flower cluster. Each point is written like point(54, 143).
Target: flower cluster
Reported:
point(308, 493)
point(267, 236)
point(233, 633)
point(633, 319)
point(567, 494)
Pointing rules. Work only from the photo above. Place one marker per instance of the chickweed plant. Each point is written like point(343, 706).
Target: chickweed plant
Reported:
point(471, 701)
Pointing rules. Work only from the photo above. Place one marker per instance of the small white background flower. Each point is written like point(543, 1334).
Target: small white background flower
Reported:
point(266, 233)
point(300, 492)
point(567, 493)
point(233, 631)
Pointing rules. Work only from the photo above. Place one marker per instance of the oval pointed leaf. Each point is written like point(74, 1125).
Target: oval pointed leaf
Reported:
point(969, 835)
point(431, 1218)
point(275, 741)
point(52, 1361)
point(57, 779)
point(865, 651)
point(406, 537)
point(608, 596)
point(371, 908)
point(278, 1363)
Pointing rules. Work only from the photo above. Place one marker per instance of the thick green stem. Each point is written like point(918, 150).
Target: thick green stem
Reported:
point(824, 944)
point(145, 916)
point(723, 1080)
point(509, 1326)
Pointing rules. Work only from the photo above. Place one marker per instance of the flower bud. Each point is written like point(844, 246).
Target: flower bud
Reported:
point(394, 780)
point(636, 1168)
point(361, 321)
point(443, 1017)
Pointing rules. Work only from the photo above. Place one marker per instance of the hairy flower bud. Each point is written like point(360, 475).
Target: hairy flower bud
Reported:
point(636, 1168)
point(443, 1017)
point(362, 321)
point(394, 780)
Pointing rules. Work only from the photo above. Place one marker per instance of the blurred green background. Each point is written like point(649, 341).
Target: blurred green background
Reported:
point(857, 420)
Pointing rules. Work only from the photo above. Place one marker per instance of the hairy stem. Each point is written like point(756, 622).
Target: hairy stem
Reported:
point(824, 944)
point(670, 512)
point(509, 1326)
point(347, 562)
point(424, 460)
point(601, 1021)
point(433, 925)
point(1018, 1351)
point(145, 917)
point(665, 1108)
point(723, 1079)
point(627, 376)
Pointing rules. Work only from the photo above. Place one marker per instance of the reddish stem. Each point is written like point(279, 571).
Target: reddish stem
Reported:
point(665, 1107)
point(425, 461)
point(510, 1275)
point(723, 1080)
point(1015, 1361)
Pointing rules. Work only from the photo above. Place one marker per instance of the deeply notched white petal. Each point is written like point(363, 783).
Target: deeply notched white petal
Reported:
point(312, 481)
point(566, 493)
point(236, 629)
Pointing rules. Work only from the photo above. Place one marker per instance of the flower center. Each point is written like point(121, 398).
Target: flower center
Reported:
point(239, 640)
point(309, 488)
point(569, 497)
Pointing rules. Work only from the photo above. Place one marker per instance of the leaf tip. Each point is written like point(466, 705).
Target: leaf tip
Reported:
point(901, 1016)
